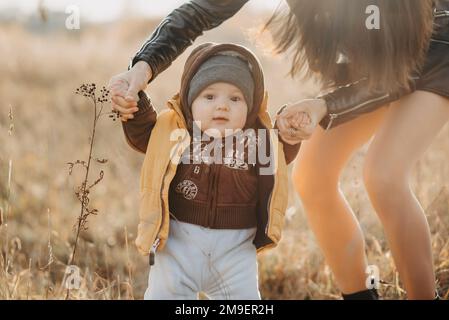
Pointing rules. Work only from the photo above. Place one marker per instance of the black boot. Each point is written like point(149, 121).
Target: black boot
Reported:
point(370, 294)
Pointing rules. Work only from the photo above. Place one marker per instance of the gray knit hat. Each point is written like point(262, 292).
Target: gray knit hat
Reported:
point(223, 68)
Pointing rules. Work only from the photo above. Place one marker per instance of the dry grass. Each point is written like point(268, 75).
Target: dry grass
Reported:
point(50, 125)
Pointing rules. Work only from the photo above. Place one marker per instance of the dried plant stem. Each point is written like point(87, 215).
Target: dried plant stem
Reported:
point(83, 191)
point(84, 186)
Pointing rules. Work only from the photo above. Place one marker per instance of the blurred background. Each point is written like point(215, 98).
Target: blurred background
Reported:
point(44, 126)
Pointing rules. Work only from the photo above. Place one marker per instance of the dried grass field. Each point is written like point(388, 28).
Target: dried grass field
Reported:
point(44, 126)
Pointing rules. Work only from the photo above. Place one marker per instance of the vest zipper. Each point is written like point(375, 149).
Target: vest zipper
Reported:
point(210, 214)
point(214, 194)
point(156, 242)
point(213, 199)
point(153, 251)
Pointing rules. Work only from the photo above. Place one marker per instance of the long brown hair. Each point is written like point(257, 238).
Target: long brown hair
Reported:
point(320, 32)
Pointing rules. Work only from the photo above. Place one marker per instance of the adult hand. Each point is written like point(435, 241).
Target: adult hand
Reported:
point(288, 124)
point(124, 88)
point(298, 120)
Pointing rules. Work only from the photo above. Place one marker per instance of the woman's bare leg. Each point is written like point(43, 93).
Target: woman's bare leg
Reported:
point(409, 128)
point(315, 177)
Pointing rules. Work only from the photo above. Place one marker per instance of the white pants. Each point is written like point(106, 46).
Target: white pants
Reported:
point(220, 263)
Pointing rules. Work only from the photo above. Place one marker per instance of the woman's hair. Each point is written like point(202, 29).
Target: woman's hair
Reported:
point(320, 33)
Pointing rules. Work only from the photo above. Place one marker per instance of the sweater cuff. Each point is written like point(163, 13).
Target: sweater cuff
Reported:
point(144, 104)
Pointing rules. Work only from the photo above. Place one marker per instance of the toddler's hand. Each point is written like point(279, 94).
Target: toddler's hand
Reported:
point(299, 120)
point(290, 124)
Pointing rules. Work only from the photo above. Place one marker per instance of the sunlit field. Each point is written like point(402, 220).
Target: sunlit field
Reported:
point(44, 126)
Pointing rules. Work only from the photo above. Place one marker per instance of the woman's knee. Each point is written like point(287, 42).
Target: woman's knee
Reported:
point(384, 180)
point(400, 141)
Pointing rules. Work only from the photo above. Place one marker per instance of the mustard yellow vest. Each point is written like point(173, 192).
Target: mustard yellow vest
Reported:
point(159, 168)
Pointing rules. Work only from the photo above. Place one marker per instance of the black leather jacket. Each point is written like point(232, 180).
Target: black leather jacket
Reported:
point(184, 24)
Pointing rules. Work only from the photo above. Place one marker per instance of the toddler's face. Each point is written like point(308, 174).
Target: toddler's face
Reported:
point(220, 106)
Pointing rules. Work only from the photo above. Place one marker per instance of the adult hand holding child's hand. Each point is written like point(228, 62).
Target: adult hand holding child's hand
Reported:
point(297, 121)
point(124, 88)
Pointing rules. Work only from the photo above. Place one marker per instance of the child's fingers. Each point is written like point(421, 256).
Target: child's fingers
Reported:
point(300, 120)
point(126, 117)
point(124, 111)
point(306, 121)
point(122, 102)
point(290, 127)
point(289, 139)
point(282, 124)
point(287, 132)
point(117, 104)
point(297, 120)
